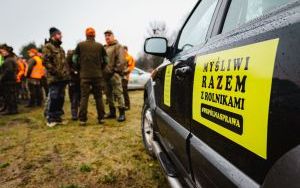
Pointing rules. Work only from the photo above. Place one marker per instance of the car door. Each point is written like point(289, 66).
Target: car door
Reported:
point(173, 81)
point(232, 143)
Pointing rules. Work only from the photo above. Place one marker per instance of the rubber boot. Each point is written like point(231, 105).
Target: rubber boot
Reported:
point(122, 117)
point(127, 107)
point(8, 113)
point(101, 121)
point(111, 114)
point(30, 104)
point(3, 109)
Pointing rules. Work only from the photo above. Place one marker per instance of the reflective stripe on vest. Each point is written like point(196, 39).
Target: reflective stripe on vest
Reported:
point(38, 71)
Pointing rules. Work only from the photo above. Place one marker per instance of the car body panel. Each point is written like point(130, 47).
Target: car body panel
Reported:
point(212, 159)
point(237, 154)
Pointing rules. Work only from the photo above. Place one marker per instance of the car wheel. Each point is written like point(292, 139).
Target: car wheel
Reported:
point(147, 129)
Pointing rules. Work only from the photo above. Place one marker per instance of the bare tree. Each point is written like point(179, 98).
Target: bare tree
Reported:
point(149, 62)
point(157, 29)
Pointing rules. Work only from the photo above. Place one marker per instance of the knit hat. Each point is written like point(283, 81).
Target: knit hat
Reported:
point(33, 50)
point(90, 32)
point(54, 31)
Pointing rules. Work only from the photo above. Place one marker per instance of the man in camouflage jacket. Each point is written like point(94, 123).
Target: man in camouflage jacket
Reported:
point(114, 72)
point(57, 77)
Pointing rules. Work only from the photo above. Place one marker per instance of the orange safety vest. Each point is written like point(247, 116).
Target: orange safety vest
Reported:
point(21, 70)
point(130, 64)
point(38, 71)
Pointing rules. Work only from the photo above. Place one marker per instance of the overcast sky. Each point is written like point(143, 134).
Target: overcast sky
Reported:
point(29, 20)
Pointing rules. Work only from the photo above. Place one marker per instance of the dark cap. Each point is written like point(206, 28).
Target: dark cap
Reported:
point(53, 31)
point(6, 47)
point(108, 32)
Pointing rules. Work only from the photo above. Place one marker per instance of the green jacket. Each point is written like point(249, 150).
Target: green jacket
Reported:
point(55, 62)
point(1, 60)
point(116, 56)
point(91, 58)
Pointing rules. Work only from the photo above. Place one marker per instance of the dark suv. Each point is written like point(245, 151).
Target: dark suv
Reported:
point(223, 110)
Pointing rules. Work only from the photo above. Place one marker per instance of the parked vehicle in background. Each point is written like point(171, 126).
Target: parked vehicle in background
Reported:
point(138, 79)
point(223, 110)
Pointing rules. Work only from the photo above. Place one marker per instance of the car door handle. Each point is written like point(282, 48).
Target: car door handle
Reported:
point(182, 72)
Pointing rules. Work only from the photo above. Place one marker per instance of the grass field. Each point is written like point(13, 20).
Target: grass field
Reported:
point(70, 156)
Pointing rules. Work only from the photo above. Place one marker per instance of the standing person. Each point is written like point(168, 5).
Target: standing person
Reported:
point(2, 100)
point(1, 60)
point(44, 79)
point(23, 84)
point(34, 74)
point(129, 68)
point(74, 85)
point(8, 79)
point(55, 63)
point(92, 60)
point(44, 84)
point(20, 77)
point(114, 73)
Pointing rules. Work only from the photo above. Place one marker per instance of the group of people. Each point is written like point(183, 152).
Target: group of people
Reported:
point(91, 68)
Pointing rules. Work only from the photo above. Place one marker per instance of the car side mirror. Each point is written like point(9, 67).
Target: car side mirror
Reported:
point(157, 46)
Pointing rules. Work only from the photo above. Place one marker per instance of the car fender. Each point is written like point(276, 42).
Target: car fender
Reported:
point(149, 94)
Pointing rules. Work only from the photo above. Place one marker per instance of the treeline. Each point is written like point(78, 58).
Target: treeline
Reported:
point(24, 49)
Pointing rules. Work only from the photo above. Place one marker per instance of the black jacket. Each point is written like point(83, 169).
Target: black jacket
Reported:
point(73, 70)
point(9, 70)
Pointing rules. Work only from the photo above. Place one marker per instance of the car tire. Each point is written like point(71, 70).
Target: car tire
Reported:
point(147, 128)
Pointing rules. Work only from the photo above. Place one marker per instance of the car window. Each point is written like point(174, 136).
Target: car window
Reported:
point(243, 11)
point(194, 32)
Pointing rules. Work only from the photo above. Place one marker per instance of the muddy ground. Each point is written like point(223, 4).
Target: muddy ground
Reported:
point(70, 156)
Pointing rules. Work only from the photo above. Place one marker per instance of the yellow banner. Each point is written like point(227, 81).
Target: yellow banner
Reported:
point(231, 93)
point(167, 85)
